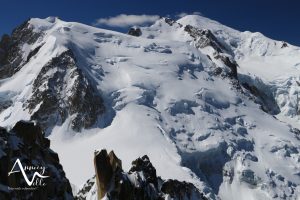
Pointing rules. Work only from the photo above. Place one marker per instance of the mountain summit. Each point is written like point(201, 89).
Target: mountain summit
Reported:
point(207, 104)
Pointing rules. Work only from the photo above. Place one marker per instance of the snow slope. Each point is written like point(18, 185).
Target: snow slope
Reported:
point(164, 99)
point(273, 65)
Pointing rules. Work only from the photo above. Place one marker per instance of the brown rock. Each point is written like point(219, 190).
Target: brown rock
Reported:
point(106, 166)
point(140, 183)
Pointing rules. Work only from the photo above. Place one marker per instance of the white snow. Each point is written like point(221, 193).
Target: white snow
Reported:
point(193, 126)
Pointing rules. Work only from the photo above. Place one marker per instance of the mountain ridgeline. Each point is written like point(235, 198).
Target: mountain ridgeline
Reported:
point(216, 110)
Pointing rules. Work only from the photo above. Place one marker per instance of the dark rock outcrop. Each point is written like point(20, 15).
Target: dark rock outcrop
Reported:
point(140, 183)
point(27, 143)
point(5, 103)
point(4, 46)
point(267, 102)
point(107, 166)
point(33, 53)
point(64, 92)
point(180, 190)
point(135, 31)
point(87, 187)
point(204, 38)
point(296, 132)
point(284, 44)
point(170, 21)
point(231, 64)
point(144, 165)
point(11, 55)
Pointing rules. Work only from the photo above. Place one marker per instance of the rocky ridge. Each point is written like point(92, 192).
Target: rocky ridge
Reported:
point(180, 93)
point(12, 56)
point(55, 96)
point(67, 92)
point(139, 183)
point(27, 142)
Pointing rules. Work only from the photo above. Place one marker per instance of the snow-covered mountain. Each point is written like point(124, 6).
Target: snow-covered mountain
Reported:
point(208, 104)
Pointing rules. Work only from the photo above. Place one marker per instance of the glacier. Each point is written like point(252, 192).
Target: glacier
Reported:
point(208, 104)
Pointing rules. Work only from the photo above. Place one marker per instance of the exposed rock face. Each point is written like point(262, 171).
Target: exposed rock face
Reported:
point(144, 165)
point(204, 38)
point(284, 44)
point(4, 46)
point(296, 132)
point(135, 31)
point(106, 166)
point(268, 104)
point(84, 192)
point(140, 183)
point(229, 63)
point(33, 53)
point(5, 102)
point(180, 190)
point(11, 55)
point(64, 92)
point(27, 143)
point(56, 96)
point(171, 22)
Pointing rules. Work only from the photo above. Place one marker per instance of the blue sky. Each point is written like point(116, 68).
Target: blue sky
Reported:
point(277, 19)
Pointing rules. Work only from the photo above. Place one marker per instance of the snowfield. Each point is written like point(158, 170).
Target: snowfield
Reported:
point(163, 100)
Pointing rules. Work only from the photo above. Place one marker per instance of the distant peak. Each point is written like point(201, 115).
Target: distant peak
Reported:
point(43, 24)
point(201, 22)
point(195, 20)
point(52, 19)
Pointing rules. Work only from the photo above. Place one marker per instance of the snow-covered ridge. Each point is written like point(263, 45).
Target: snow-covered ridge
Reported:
point(274, 63)
point(171, 94)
